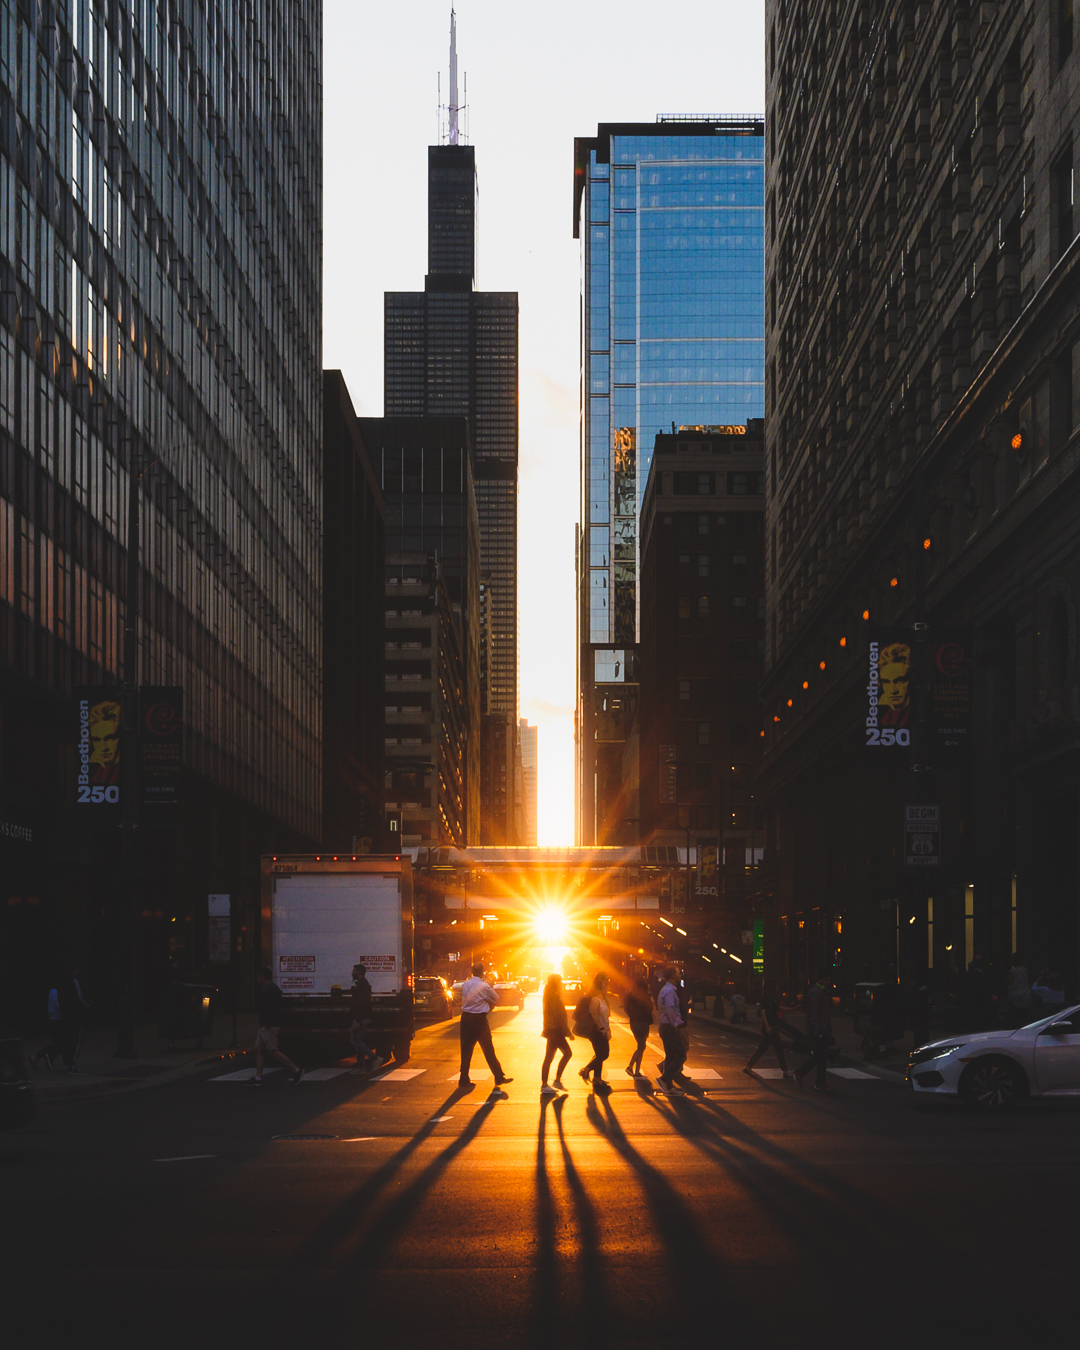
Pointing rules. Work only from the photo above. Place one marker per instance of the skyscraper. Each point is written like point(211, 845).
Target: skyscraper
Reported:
point(453, 350)
point(527, 737)
point(671, 221)
point(160, 317)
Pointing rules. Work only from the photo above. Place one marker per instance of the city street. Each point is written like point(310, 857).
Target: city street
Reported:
point(205, 1212)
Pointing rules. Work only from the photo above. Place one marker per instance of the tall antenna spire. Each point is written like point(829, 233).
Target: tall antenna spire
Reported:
point(454, 107)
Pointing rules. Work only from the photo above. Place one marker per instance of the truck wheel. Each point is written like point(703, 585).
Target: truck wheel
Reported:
point(402, 1048)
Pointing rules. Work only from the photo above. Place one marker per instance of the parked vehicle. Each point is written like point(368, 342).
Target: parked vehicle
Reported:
point(992, 1070)
point(455, 995)
point(431, 997)
point(321, 916)
point(510, 993)
point(17, 1101)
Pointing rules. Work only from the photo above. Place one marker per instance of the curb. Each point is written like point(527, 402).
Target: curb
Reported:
point(96, 1091)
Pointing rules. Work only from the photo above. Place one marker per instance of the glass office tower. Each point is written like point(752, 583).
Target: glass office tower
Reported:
point(671, 219)
point(160, 315)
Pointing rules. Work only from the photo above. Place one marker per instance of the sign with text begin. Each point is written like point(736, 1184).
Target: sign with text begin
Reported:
point(922, 836)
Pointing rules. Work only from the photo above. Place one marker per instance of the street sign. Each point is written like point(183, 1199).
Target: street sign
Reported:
point(922, 836)
point(220, 943)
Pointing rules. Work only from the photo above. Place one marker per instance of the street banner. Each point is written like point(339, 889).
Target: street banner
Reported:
point(758, 948)
point(950, 693)
point(889, 686)
point(99, 747)
point(161, 753)
point(706, 879)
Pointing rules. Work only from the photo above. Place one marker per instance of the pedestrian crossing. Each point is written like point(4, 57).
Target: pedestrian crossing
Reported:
point(241, 1076)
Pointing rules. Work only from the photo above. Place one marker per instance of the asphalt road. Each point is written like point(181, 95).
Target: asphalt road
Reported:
point(197, 1213)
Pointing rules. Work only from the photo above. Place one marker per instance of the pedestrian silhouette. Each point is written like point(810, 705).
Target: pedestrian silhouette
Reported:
point(556, 1032)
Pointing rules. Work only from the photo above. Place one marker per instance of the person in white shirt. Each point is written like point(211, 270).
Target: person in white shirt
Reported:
point(670, 1020)
point(599, 1030)
point(477, 1000)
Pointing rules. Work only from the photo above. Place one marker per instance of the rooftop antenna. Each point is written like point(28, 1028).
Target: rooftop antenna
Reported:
point(454, 106)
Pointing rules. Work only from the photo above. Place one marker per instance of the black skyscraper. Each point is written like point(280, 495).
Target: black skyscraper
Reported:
point(453, 350)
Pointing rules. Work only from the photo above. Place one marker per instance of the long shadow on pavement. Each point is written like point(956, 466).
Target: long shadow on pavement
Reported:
point(595, 1312)
point(823, 1213)
point(701, 1282)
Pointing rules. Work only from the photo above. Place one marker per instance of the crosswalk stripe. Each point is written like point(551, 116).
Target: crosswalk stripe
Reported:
point(474, 1077)
point(241, 1076)
point(854, 1073)
point(701, 1073)
point(321, 1075)
point(398, 1075)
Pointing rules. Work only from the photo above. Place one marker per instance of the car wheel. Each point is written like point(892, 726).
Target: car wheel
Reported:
point(992, 1085)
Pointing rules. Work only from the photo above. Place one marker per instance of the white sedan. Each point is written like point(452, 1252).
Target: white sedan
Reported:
point(994, 1069)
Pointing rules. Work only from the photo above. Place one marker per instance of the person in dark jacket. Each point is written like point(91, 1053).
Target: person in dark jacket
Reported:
point(73, 1009)
point(770, 1036)
point(367, 1061)
point(269, 1008)
point(639, 1007)
point(819, 1030)
point(556, 1031)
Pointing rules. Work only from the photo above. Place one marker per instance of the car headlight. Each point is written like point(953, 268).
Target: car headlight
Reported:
point(932, 1052)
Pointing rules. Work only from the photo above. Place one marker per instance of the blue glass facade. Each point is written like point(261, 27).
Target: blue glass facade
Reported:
point(672, 223)
point(674, 321)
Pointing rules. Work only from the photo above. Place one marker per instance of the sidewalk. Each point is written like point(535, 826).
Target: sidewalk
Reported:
point(154, 1063)
point(849, 1043)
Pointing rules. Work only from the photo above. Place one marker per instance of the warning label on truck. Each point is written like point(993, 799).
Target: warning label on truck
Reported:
point(383, 965)
point(296, 965)
point(290, 983)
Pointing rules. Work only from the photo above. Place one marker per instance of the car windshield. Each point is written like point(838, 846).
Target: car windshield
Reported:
point(428, 985)
point(1058, 1015)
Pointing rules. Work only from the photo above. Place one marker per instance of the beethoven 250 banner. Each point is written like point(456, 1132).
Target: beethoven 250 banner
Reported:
point(161, 751)
point(889, 685)
point(99, 747)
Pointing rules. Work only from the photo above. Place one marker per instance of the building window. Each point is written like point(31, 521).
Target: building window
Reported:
point(1064, 31)
point(703, 733)
point(746, 484)
point(684, 559)
point(739, 603)
point(703, 607)
point(684, 606)
point(703, 524)
point(684, 691)
point(1064, 190)
point(738, 560)
point(703, 565)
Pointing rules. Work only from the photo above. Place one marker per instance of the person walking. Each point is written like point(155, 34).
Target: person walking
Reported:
point(269, 1007)
point(770, 1035)
point(557, 1033)
point(669, 1020)
point(638, 1006)
point(1018, 992)
point(477, 1000)
point(819, 1030)
point(55, 1049)
point(599, 1035)
point(73, 1008)
point(367, 1061)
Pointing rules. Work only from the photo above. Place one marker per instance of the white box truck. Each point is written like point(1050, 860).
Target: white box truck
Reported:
point(321, 915)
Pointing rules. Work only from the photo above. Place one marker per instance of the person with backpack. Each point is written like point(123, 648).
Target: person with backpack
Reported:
point(638, 1006)
point(556, 1032)
point(592, 1018)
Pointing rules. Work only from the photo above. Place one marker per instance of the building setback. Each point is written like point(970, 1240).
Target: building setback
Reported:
point(160, 316)
point(354, 602)
point(452, 350)
point(527, 739)
point(670, 218)
point(923, 465)
point(425, 467)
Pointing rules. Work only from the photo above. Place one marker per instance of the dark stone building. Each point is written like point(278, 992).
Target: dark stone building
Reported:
point(922, 321)
point(160, 324)
point(425, 467)
point(430, 745)
point(702, 654)
point(354, 602)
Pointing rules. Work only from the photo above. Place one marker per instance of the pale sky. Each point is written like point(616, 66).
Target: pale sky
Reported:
point(538, 76)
